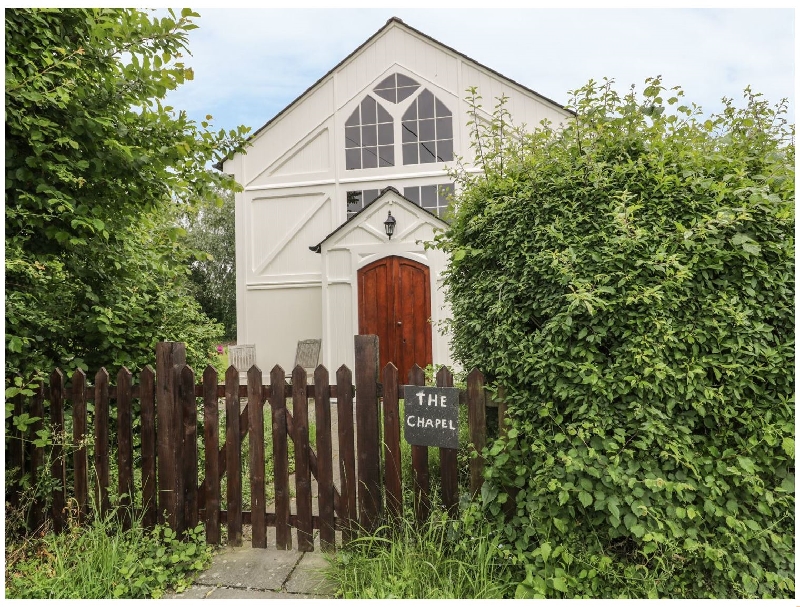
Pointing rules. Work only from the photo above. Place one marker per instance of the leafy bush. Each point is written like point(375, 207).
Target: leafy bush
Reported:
point(102, 561)
point(629, 278)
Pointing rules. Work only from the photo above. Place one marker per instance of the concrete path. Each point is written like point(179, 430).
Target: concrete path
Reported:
point(257, 573)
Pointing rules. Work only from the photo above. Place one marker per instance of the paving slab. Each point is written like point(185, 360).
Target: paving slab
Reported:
point(308, 576)
point(247, 567)
point(239, 593)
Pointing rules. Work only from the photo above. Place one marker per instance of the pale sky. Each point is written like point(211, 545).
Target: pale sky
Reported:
point(251, 63)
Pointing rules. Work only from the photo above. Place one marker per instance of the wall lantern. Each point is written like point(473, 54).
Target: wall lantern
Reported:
point(389, 224)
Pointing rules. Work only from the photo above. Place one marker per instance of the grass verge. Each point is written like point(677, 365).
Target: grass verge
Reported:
point(435, 560)
point(103, 561)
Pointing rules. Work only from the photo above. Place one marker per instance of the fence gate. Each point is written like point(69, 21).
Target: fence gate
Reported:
point(177, 487)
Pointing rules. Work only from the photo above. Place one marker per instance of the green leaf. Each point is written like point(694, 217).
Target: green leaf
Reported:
point(559, 583)
point(585, 498)
point(545, 550)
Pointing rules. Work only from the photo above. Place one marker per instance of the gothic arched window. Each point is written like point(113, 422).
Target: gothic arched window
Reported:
point(369, 137)
point(427, 131)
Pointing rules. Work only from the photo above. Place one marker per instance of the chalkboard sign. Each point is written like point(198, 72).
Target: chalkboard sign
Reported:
point(431, 416)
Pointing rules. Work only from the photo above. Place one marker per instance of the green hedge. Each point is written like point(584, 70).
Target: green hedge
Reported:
point(630, 279)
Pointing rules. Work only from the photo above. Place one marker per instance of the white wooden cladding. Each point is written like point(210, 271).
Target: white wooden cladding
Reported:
point(295, 195)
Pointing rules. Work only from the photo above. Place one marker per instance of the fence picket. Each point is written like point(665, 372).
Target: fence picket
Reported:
point(37, 454)
point(58, 469)
point(125, 445)
point(448, 458)
point(391, 443)
point(80, 457)
point(420, 476)
point(101, 439)
point(258, 506)
point(233, 457)
point(476, 411)
point(147, 401)
point(211, 444)
point(189, 451)
point(280, 450)
point(302, 471)
point(347, 455)
point(17, 453)
point(324, 468)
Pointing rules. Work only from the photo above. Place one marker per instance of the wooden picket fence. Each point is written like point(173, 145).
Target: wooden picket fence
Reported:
point(170, 489)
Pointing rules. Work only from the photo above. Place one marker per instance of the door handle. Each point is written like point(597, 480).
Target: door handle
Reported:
point(399, 323)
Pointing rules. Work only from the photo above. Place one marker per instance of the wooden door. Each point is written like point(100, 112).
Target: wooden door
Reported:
point(394, 303)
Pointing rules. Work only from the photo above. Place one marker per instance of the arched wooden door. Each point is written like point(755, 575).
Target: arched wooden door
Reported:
point(394, 303)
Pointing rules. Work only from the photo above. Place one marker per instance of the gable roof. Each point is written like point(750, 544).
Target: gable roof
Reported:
point(387, 25)
point(317, 248)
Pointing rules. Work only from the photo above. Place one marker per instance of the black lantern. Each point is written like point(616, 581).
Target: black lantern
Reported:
point(389, 224)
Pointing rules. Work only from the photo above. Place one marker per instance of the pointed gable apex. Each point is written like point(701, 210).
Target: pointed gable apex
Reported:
point(396, 22)
point(387, 199)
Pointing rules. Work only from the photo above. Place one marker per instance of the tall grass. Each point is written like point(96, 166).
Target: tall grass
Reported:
point(429, 561)
point(103, 561)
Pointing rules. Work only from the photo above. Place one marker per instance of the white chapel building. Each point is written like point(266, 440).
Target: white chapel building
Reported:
point(372, 137)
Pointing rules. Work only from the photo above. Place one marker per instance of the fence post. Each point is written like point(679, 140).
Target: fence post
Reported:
point(367, 437)
point(169, 355)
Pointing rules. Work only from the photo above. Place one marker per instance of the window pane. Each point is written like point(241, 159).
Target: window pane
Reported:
point(353, 120)
point(425, 102)
point(386, 134)
point(406, 81)
point(368, 115)
point(428, 196)
point(426, 153)
point(444, 149)
point(369, 158)
point(444, 128)
point(388, 94)
point(369, 135)
point(383, 115)
point(441, 110)
point(405, 92)
point(412, 193)
point(410, 153)
point(353, 202)
point(411, 112)
point(445, 192)
point(386, 153)
point(352, 137)
point(386, 83)
point(353, 159)
point(426, 130)
point(370, 195)
point(410, 131)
